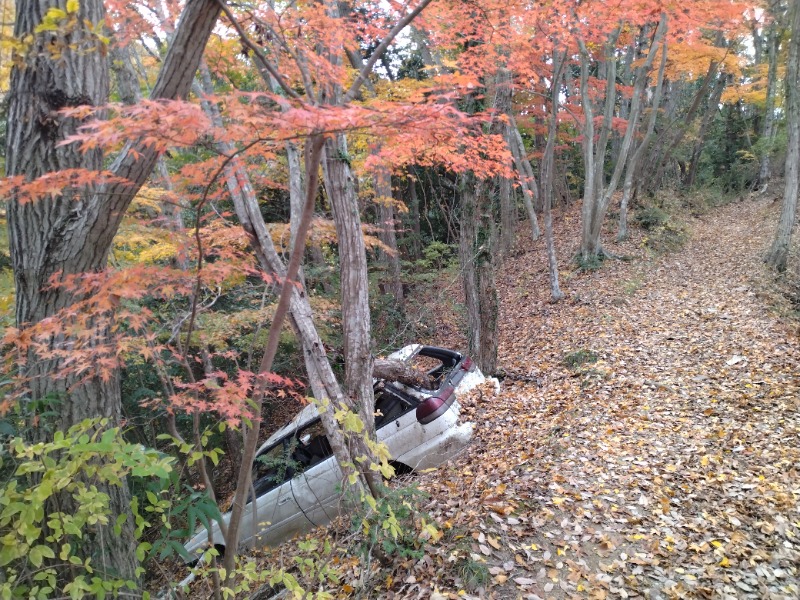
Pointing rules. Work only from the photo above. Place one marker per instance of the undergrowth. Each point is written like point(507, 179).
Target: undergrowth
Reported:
point(665, 231)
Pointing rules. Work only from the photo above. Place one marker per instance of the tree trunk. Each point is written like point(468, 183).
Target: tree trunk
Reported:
point(547, 175)
point(588, 245)
point(764, 171)
point(386, 229)
point(778, 254)
point(636, 157)
point(502, 105)
point(525, 172)
point(711, 110)
point(413, 216)
point(72, 233)
point(477, 240)
point(356, 319)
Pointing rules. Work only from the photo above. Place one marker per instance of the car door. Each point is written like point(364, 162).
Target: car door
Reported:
point(275, 514)
point(318, 488)
point(396, 421)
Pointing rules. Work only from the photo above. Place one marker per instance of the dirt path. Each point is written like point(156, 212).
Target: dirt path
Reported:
point(650, 444)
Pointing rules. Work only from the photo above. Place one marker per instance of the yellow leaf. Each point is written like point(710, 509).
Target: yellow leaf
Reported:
point(73, 6)
point(724, 562)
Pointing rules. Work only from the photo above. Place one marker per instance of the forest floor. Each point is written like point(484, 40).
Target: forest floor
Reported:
point(645, 441)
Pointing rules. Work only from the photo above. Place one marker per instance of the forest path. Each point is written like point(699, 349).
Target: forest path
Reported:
point(647, 440)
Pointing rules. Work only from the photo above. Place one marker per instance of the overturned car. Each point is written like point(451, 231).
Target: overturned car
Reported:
point(297, 481)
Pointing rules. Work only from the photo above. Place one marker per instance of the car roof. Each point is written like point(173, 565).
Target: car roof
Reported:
point(310, 412)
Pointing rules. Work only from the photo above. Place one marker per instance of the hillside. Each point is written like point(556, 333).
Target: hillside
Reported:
point(644, 442)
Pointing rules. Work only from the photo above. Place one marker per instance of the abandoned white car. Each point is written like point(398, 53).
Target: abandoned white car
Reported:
point(298, 481)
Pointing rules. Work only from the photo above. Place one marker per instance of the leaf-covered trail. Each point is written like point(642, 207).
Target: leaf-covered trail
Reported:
point(647, 440)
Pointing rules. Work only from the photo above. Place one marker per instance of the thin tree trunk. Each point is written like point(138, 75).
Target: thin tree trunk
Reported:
point(711, 110)
point(636, 157)
point(356, 319)
point(587, 210)
point(478, 233)
point(548, 168)
point(413, 216)
point(386, 229)
point(502, 103)
point(765, 171)
point(778, 254)
point(530, 194)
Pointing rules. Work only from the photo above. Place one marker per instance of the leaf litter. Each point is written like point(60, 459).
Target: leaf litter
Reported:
point(667, 467)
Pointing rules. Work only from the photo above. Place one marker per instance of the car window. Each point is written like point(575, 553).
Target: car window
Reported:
point(390, 404)
point(272, 467)
point(311, 446)
point(434, 366)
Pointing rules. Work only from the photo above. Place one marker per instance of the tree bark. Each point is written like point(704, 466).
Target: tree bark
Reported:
point(503, 89)
point(547, 175)
point(765, 171)
point(478, 235)
point(636, 157)
point(530, 196)
point(413, 216)
point(778, 254)
point(72, 233)
point(588, 245)
point(356, 319)
point(387, 235)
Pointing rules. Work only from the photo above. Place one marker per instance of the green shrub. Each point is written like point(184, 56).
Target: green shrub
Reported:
point(590, 263)
point(651, 217)
point(393, 525)
point(580, 357)
point(75, 466)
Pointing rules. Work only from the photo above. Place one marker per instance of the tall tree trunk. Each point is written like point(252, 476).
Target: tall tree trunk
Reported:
point(386, 229)
point(530, 196)
point(548, 173)
point(636, 157)
point(508, 215)
point(764, 171)
point(711, 110)
point(778, 253)
point(503, 89)
point(476, 245)
point(72, 233)
point(356, 319)
point(588, 246)
point(413, 216)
